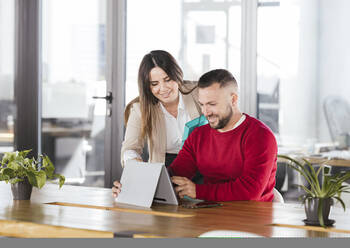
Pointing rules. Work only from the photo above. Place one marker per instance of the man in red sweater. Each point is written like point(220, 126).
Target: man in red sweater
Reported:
point(235, 153)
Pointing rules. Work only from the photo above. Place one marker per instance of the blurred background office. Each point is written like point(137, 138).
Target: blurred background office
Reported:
point(289, 57)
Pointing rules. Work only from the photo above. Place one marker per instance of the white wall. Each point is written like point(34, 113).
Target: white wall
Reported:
point(315, 63)
point(298, 63)
point(334, 60)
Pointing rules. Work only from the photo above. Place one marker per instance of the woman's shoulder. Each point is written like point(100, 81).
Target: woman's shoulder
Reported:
point(135, 107)
point(132, 109)
point(134, 103)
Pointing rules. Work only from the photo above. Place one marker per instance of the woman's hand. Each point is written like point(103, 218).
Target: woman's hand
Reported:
point(116, 188)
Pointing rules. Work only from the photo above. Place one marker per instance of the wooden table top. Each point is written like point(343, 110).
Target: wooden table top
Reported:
point(6, 137)
point(82, 130)
point(331, 162)
point(76, 211)
point(318, 160)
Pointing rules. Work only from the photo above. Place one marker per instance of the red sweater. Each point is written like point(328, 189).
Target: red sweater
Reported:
point(236, 165)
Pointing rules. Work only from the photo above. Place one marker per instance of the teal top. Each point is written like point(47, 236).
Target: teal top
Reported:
point(191, 125)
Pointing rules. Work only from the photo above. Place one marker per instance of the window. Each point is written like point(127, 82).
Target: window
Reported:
point(302, 61)
point(201, 35)
point(268, 64)
point(7, 105)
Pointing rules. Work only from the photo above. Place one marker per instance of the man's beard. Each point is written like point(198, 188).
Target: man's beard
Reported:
point(223, 120)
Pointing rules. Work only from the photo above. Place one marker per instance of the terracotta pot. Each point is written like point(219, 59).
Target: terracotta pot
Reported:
point(21, 190)
point(311, 209)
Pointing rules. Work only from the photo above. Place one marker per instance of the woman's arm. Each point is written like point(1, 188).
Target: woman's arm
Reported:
point(131, 154)
point(133, 143)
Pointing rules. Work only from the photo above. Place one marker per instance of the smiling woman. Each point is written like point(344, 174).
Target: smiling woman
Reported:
point(165, 103)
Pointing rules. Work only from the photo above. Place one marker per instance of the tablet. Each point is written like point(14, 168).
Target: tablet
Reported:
point(139, 182)
point(165, 192)
point(144, 183)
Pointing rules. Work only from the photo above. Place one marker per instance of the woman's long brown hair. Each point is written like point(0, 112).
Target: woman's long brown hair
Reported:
point(148, 102)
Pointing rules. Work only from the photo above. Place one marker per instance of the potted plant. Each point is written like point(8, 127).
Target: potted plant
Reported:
point(23, 173)
point(319, 194)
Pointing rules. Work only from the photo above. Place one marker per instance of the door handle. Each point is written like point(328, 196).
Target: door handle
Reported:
point(108, 97)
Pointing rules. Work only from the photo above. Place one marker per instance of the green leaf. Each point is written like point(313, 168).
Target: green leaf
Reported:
point(40, 178)
point(24, 153)
point(341, 202)
point(320, 212)
point(309, 170)
point(61, 179)
point(48, 167)
point(32, 178)
point(8, 157)
point(307, 190)
point(16, 180)
point(318, 171)
point(8, 173)
point(4, 178)
point(14, 165)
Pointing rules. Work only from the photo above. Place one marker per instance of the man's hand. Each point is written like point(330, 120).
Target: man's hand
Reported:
point(116, 188)
point(185, 186)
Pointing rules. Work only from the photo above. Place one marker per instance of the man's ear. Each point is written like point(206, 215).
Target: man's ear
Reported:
point(234, 99)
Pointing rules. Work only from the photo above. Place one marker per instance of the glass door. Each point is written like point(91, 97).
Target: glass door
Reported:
point(73, 76)
point(7, 53)
point(268, 63)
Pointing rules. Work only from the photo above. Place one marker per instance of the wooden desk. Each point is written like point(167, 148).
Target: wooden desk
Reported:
point(320, 160)
point(81, 130)
point(6, 137)
point(92, 212)
point(51, 132)
point(331, 162)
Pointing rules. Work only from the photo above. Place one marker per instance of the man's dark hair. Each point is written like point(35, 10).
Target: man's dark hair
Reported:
point(220, 76)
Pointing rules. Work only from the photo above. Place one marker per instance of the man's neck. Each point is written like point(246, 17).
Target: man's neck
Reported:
point(235, 118)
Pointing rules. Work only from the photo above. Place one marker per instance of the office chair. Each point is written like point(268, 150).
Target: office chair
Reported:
point(277, 197)
point(337, 112)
